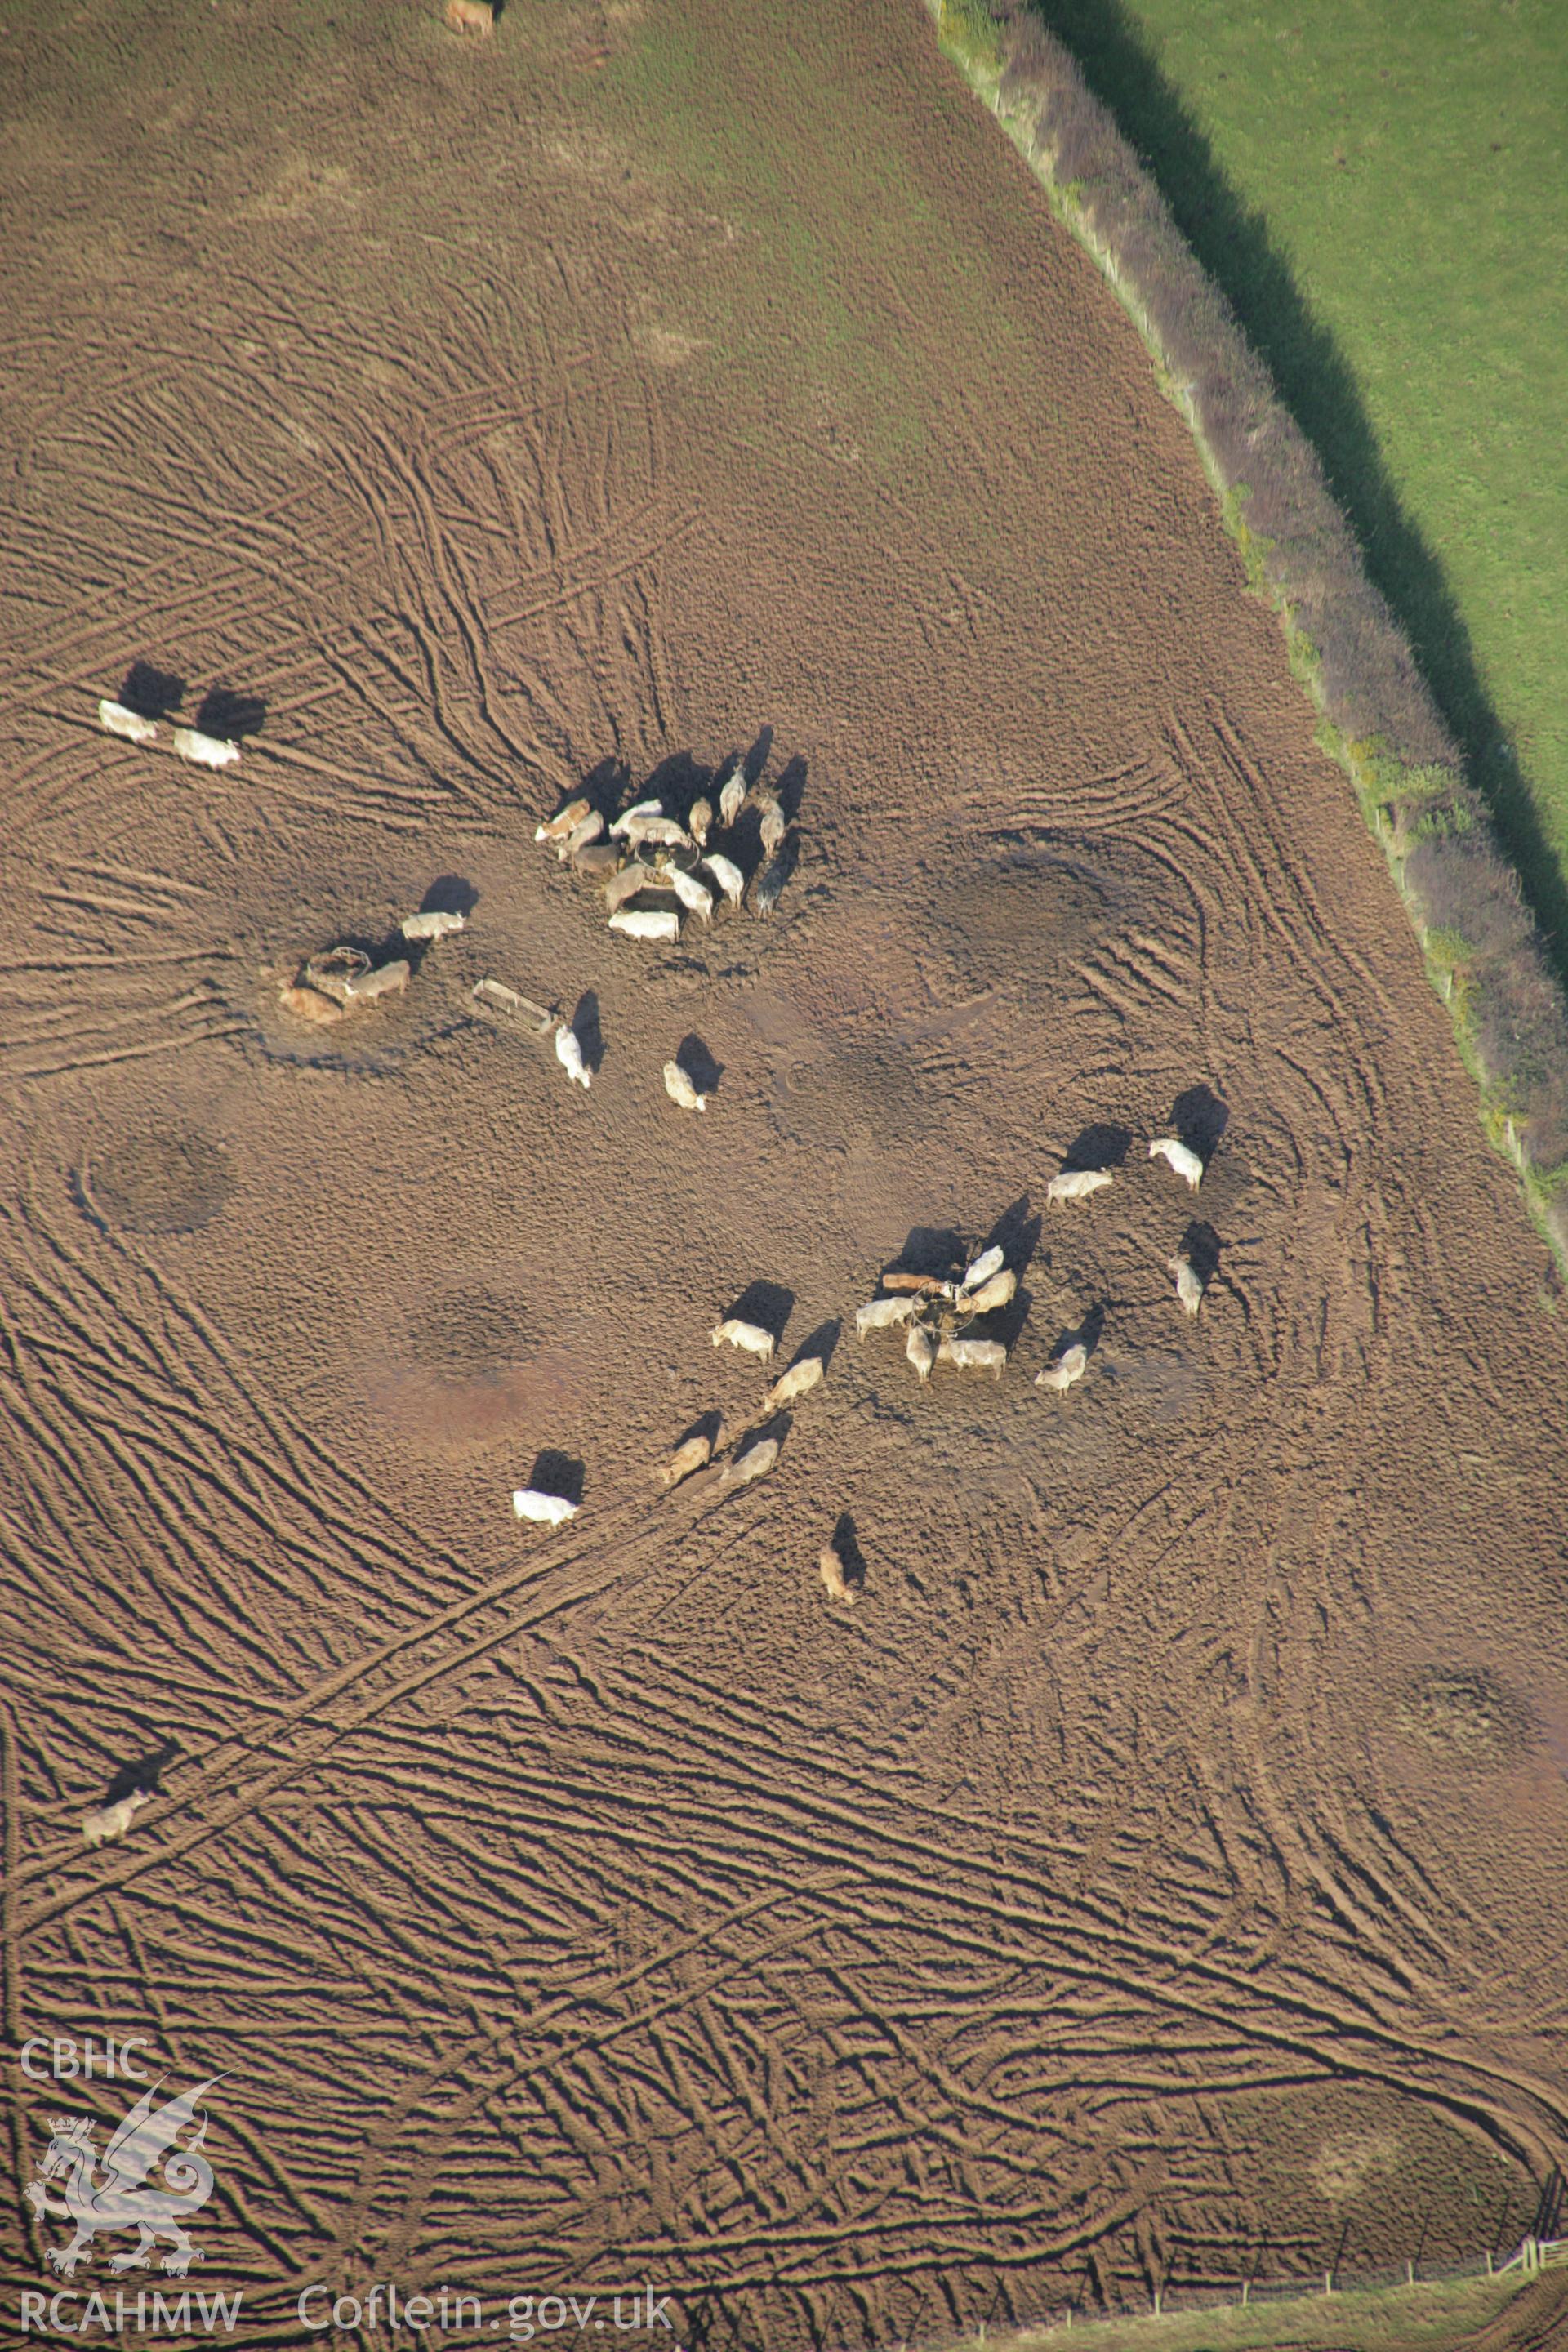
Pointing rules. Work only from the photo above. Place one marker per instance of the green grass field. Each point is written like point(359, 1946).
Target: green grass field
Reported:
point(1379, 189)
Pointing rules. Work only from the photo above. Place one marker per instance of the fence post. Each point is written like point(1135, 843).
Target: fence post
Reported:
point(1488, 2263)
point(1246, 2291)
point(1410, 2271)
point(1328, 2282)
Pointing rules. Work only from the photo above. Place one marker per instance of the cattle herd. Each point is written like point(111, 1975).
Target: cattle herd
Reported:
point(654, 870)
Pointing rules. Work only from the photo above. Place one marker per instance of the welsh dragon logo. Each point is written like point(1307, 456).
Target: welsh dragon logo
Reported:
point(116, 2192)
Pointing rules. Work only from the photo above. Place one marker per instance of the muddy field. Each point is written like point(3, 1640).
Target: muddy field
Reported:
point(1156, 1876)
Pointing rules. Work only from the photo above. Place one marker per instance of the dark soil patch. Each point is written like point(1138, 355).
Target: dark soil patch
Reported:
point(166, 1181)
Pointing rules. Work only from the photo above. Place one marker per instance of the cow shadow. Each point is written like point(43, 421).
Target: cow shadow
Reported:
point(1017, 1233)
point(1103, 1145)
point(449, 894)
point(847, 1544)
point(677, 780)
point(1085, 1334)
point(935, 1250)
point(230, 715)
point(790, 790)
point(1201, 1246)
point(584, 1027)
point(697, 1063)
point(820, 1342)
point(756, 759)
point(709, 1425)
point(1200, 1120)
point(554, 1472)
point(151, 692)
point(766, 1304)
point(606, 786)
point(131, 1777)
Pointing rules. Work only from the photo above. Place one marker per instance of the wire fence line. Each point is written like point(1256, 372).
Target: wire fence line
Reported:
point(1530, 2256)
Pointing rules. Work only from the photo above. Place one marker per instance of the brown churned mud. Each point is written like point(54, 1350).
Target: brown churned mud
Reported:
point(1156, 1875)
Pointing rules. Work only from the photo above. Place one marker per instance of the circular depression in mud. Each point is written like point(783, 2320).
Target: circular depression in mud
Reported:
point(1021, 911)
point(1464, 1715)
point(166, 1179)
point(468, 1333)
point(1021, 899)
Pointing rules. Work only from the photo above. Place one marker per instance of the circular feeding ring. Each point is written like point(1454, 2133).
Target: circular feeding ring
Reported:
point(335, 970)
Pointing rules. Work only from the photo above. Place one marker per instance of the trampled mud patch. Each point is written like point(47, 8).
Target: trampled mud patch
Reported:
point(850, 1097)
point(165, 1180)
point(1030, 913)
point(1025, 1933)
point(447, 1412)
point(1161, 1383)
point(1466, 1715)
point(1363, 2172)
point(1024, 912)
point(468, 1333)
point(459, 1369)
point(1343, 2167)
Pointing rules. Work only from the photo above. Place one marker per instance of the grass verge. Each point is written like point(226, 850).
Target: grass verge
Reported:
point(1483, 952)
point(1378, 192)
point(1435, 2317)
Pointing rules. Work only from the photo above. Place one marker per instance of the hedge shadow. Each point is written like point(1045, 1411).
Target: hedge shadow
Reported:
point(1293, 516)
